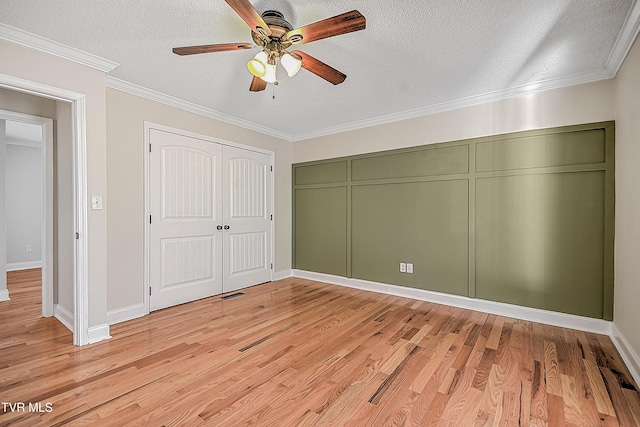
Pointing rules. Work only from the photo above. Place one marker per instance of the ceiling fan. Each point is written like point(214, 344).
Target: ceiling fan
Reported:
point(271, 32)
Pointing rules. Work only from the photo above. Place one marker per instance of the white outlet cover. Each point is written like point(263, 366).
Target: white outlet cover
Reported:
point(403, 267)
point(409, 268)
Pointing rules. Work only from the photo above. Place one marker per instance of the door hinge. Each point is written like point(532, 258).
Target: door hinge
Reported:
point(271, 217)
point(149, 290)
point(77, 236)
point(272, 266)
point(149, 147)
point(149, 219)
point(271, 168)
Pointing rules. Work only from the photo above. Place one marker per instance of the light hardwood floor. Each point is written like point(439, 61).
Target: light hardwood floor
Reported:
point(297, 352)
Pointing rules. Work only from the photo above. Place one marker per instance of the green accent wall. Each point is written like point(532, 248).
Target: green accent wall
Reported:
point(524, 218)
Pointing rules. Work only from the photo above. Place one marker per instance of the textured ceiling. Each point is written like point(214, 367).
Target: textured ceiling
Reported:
point(414, 57)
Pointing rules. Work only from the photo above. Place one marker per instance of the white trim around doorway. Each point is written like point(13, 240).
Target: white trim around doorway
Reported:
point(78, 113)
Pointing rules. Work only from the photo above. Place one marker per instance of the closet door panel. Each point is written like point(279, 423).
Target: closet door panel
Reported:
point(247, 218)
point(185, 201)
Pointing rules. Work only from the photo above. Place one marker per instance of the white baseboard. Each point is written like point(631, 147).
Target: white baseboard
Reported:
point(126, 313)
point(64, 316)
point(15, 266)
point(284, 274)
point(99, 333)
point(553, 318)
point(630, 357)
point(4, 295)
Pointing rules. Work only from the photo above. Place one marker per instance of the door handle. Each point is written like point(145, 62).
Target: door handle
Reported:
point(226, 227)
point(219, 227)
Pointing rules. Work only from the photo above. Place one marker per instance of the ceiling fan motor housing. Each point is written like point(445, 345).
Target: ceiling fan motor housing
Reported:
point(279, 28)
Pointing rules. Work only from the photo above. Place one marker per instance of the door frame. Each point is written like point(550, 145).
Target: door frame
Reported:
point(148, 126)
point(77, 102)
point(46, 167)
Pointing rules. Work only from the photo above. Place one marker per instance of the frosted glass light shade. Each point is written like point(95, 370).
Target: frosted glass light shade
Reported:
point(258, 65)
point(270, 74)
point(291, 64)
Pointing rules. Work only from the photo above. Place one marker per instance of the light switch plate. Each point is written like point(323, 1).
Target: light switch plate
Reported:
point(403, 267)
point(96, 202)
point(409, 268)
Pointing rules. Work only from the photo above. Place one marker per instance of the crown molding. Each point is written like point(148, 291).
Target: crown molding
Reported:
point(34, 41)
point(577, 79)
point(171, 101)
point(528, 89)
point(627, 36)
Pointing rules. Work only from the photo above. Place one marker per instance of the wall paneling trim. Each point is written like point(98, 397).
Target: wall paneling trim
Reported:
point(523, 218)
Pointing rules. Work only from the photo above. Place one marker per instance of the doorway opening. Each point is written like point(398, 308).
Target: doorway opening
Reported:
point(75, 108)
point(27, 199)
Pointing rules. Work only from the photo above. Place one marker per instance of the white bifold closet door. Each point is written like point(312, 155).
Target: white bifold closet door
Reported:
point(210, 225)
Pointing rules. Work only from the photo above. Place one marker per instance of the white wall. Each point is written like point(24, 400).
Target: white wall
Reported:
point(19, 102)
point(126, 114)
point(24, 205)
point(627, 250)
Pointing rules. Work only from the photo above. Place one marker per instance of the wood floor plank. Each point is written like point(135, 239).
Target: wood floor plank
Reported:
point(462, 408)
point(303, 353)
point(551, 369)
point(572, 411)
point(599, 390)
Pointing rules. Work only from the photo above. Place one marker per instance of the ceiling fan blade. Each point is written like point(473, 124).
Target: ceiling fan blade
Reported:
point(319, 68)
point(250, 16)
point(340, 24)
point(257, 84)
point(209, 48)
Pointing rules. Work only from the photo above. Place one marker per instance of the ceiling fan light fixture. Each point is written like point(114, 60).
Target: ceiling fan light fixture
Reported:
point(258, 65)
point(291, 64)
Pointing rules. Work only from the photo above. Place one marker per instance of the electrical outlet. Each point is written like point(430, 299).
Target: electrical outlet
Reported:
point(409, 268)
point(28, 248)
point(403, 267)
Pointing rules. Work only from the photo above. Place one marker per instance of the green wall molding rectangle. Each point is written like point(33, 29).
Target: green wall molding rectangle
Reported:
point(539, 151)
point(419, 163)
point(323, 173)
point(540, 241)
point(424, 223)
point(525, 218)
point(321, 239)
